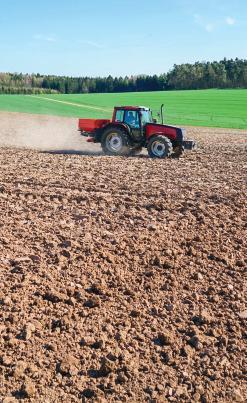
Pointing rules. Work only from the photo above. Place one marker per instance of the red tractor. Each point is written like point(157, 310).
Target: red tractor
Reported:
point(133, 127)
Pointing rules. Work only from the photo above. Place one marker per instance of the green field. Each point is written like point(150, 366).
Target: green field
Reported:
point(214, 108)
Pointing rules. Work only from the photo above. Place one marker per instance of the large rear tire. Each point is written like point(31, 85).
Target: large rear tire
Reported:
point(115, 141)
point(159, 147)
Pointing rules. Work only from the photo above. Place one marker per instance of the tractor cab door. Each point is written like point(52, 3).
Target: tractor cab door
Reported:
point(133, 119)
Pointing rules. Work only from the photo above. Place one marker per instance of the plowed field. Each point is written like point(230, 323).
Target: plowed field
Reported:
point(122, 279)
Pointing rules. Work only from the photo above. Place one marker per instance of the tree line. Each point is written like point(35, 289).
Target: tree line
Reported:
point(227, 73)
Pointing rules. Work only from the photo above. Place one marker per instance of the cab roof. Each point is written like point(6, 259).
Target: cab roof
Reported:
point(133, 108)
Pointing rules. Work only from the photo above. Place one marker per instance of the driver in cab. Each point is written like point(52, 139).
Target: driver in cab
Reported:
point(131, 119)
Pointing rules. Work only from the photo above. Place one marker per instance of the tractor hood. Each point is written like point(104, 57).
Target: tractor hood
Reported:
point(172, 132)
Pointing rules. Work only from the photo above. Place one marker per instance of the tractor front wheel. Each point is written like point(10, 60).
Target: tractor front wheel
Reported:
point(159, 147)
point(115, 141)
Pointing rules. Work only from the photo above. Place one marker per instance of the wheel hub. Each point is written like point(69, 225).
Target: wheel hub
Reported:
point(158, 148)
point(114, 142)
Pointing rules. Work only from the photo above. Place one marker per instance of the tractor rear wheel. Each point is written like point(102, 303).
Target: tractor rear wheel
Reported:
point(115, 141)
point(159, 147)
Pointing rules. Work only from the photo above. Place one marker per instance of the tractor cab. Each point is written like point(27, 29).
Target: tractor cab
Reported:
point(134, 116)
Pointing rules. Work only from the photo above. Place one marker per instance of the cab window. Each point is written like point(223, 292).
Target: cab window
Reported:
point(119, 115)
point(146, 117)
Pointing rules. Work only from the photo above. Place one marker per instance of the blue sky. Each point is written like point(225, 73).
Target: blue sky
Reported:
point(118, 37)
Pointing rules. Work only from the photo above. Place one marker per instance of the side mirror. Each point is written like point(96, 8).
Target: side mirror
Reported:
point(154, 120)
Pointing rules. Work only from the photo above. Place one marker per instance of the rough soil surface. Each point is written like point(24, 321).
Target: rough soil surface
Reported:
point(122, 279)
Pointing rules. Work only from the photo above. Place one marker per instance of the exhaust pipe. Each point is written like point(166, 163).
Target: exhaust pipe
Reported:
point(161, 114)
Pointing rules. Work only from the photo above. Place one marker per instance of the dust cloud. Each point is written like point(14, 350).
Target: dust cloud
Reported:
point(47, 133)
